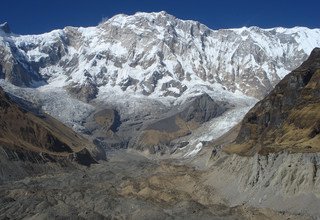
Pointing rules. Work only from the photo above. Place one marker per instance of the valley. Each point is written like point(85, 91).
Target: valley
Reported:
point(127, 186)
point(148, 116)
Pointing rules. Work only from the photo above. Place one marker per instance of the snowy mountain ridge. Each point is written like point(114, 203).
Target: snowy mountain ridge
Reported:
point(156, 55)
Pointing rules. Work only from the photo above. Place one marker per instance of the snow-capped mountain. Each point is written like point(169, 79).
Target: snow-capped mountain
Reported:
point(148, 68)
point(155, 54)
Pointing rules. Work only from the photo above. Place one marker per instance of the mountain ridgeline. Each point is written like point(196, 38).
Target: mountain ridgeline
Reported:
point(154, 54)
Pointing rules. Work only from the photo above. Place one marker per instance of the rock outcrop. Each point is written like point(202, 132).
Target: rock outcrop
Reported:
point(15, 68)
point(5, 28)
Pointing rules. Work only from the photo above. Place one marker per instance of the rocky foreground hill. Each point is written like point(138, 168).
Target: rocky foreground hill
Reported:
point(31, 142)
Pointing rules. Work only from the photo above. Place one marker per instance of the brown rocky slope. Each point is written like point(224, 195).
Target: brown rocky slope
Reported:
point(37, 138)
point(286, 119)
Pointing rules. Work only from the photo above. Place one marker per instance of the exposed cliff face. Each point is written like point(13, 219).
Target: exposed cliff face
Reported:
point(38, 138)
point(15, 68)
point(288, 118)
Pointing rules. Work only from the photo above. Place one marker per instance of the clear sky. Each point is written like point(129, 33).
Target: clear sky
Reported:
point(38, 16)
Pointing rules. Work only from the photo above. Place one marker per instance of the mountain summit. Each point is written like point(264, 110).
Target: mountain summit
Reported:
point(5, 28)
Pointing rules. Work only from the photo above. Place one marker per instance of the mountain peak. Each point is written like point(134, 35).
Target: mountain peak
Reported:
point(5, 28)
point(155, 14)
point(123, 18)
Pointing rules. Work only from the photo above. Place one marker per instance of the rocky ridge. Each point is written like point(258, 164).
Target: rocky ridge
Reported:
point(288, 118)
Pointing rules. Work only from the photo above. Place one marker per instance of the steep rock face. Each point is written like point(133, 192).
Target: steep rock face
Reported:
point(15, 67)
point(156, 53)
point(288, 118)
point(37, 137)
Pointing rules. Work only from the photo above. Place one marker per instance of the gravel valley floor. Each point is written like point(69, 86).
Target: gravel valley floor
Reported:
point(127, 186)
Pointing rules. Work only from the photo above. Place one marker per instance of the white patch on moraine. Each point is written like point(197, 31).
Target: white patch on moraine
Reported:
point(194, 151)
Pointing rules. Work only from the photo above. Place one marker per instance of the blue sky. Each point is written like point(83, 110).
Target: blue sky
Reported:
point(38, 16)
